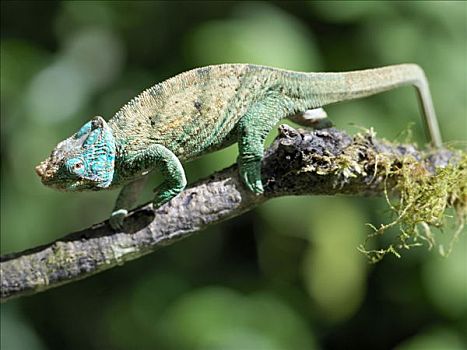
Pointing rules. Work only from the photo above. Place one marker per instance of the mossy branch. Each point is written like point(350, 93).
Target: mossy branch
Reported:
point(325, 162)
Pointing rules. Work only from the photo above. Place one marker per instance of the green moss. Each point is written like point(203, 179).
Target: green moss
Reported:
point(423, 199)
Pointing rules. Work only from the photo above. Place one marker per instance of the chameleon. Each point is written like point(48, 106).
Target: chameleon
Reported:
point(204, 110)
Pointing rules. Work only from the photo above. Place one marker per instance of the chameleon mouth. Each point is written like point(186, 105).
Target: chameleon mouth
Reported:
point(40, 169)
point(45, 172)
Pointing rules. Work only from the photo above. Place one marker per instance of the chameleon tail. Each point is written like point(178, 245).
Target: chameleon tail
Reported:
point(321, 89)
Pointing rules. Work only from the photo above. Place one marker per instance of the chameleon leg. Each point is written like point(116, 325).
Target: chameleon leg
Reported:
point(155, 156)
point(252, 131)
point(172, 170)
point(125, 201)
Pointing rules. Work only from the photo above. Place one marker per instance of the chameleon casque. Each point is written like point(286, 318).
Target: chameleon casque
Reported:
point(204, 110)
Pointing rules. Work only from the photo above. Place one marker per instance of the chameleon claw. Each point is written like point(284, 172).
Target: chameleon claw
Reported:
point(251, 181)
point(161, 198)
point(117, 218)
point(257, 187)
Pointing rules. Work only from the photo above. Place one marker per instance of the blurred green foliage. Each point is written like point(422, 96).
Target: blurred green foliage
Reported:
point(287, 275)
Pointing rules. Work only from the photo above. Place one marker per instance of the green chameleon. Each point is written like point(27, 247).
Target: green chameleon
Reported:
point(204, 110)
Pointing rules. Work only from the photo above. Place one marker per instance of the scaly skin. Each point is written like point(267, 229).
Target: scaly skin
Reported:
point(204, 110)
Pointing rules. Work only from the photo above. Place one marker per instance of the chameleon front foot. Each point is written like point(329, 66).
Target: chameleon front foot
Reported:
point(165, 193)
point(117, 218)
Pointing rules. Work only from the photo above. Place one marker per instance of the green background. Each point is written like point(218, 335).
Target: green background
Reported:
point(286, 275)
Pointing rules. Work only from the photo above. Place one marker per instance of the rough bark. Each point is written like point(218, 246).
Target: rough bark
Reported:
point(297, 163)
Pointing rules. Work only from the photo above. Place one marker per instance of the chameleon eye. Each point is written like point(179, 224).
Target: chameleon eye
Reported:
point(76, 166)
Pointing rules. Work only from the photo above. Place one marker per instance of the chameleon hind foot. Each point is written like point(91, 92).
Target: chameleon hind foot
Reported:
point(250, 173)
point(315, 118)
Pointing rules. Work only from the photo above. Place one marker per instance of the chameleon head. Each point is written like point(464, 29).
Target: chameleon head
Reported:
point(82, 162)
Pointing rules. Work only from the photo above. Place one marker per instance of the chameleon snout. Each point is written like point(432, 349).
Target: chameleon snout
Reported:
point(40, 169)
point(44, 171)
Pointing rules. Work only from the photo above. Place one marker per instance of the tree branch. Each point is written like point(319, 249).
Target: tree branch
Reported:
point(297, 163)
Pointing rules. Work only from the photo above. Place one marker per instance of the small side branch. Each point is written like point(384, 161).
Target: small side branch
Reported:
point(297, 163)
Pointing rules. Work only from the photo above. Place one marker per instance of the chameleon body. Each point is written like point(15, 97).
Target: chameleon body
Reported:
point(204, 110)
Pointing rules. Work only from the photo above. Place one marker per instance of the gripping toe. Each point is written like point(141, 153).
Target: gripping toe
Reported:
point(117, 218)
point(250, 173)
